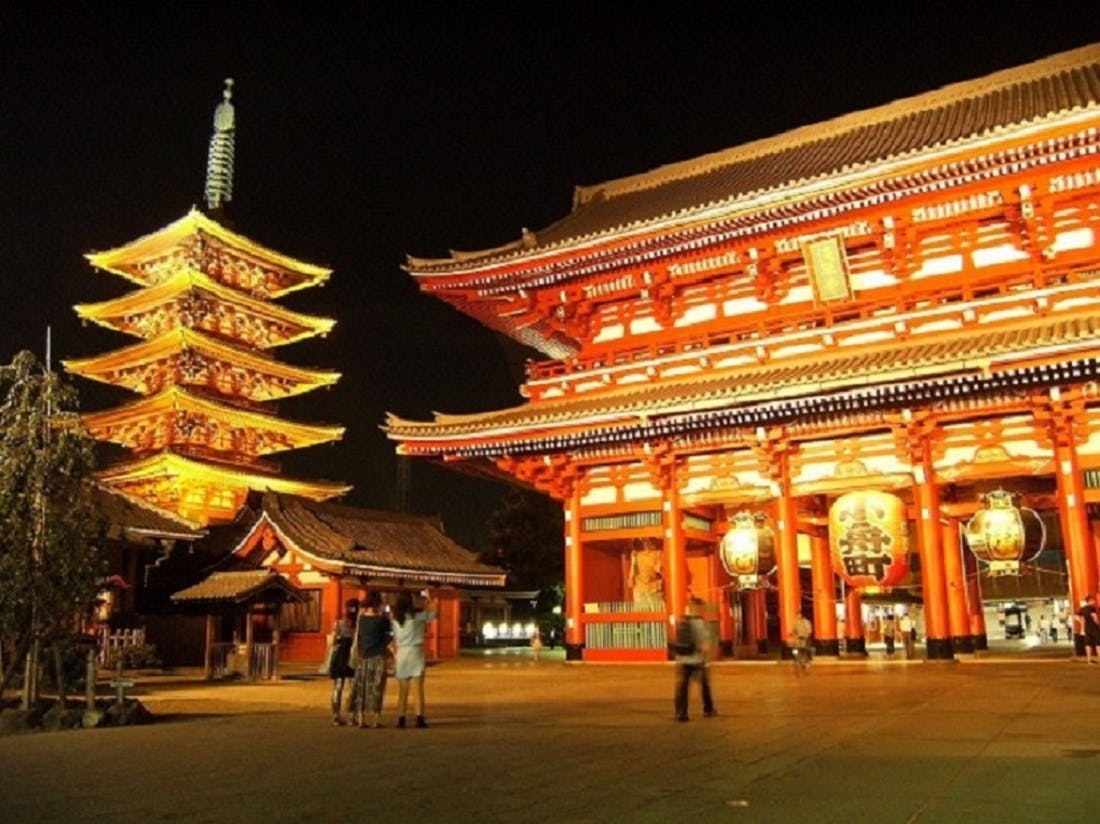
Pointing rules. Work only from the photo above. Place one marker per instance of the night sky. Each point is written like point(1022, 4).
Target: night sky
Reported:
point(367, 133)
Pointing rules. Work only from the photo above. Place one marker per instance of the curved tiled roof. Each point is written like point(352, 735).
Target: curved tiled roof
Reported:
point(374, 540)
point(125, 514)
point(942, 118)
point(239, 587)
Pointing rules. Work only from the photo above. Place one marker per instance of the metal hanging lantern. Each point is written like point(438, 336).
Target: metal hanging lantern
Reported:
point(748, 550)
point(869, 539)
point(1001, 538)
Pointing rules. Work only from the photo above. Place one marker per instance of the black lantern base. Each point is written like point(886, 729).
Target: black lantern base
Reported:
point(762, 645)
point(725, 649)
point(574, 652)
point(962, 643)
point(827, 646)
point(981, 642)
point(856, 646)
point(939, 649)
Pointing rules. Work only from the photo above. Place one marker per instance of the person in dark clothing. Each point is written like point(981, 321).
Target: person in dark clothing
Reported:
point(1090, 627)
point(692, 660)
point(888, 631)
point(339, 667)
point(373, 638)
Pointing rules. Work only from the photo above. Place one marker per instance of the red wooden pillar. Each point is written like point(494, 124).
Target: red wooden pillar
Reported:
point(208, 650)
point(248, 635)
point(854, 641)
point(824, 588)
point(1080, 555)
point(787, 582)
point(725, 603)
point(958, 616)
point(1094, 529)
point(974, 602)
point(574, 578)
point(676, 591)
point(933, 579)
point(759, 606)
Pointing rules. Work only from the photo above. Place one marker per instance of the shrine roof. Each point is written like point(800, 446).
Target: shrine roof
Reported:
point(239, 586)
point(984, 350)
point(126, 515)
point(123, 260)
point(186, 280)
point(175, 399)
point(378, 543)
point(746, 176)
point(170, 466)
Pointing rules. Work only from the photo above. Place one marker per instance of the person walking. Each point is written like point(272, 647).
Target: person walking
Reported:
point(339, 663)
point(692, 651)
point(409, 625)
point(1044, 628)
point(888, 630)
point(908, 634)
point(1090, 628)
point(801, 641)
point(373, 636)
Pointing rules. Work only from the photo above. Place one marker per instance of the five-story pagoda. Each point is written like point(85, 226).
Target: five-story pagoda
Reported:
point(204, 426)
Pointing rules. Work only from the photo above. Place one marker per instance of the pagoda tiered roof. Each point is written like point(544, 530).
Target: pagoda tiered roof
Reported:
point(191, 358)
point(197, 241)
point(176, 417)
point(173, 476)
point(190, 299)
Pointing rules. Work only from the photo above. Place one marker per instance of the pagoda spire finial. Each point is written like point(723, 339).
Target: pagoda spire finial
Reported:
point(219, 163)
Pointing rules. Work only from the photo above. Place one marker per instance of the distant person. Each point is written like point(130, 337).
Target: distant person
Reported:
point(1090, 628)
point(536, 644)
point(339, 664)
point(1044, 629)
point(692, 651)
point(373, 636)
point(409, 626)
point(908, 634)
point(888, 630)
point(802, 636)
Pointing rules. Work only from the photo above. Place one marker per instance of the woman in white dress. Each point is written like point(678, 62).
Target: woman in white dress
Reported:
point(409, 625)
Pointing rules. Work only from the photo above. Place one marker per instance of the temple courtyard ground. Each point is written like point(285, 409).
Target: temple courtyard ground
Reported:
point(999, 738)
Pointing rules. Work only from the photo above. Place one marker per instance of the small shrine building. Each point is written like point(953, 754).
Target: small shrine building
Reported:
point(862, 347)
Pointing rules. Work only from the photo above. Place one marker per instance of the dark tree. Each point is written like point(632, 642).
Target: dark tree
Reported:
point(49, 565)
point(526, 538)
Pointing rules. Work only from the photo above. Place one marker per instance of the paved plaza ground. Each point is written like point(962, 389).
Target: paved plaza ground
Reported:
point(997, 738)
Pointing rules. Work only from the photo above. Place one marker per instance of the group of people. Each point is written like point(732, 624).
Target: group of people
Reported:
point(893, 628)
point(364, 641)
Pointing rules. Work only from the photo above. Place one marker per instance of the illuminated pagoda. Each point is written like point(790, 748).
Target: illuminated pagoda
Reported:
point(203, 429)
point(852, 332)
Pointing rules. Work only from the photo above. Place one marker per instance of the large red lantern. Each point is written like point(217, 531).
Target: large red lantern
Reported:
point(999, 536)
point(748, 550)
point(869, 539)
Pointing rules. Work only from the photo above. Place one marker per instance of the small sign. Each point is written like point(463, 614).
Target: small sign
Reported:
point(120, 686)
point(827, 265)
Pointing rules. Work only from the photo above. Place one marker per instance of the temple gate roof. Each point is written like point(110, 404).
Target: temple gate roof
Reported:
point(790, 165)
